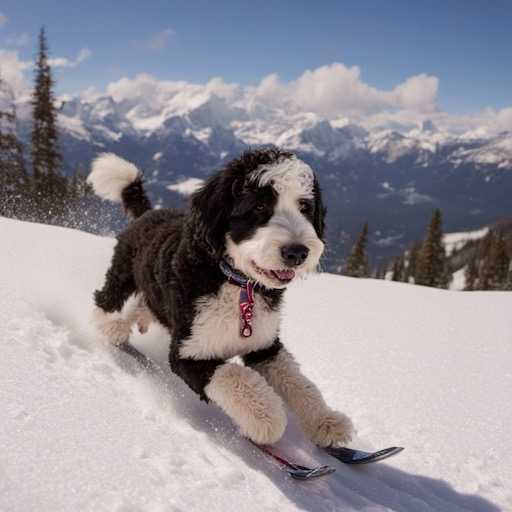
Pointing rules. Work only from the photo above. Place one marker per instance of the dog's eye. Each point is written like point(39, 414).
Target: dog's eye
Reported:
point(305, 206)
point(260, 208)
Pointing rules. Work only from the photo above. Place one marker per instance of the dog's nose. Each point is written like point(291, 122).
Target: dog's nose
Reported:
point(294, 254)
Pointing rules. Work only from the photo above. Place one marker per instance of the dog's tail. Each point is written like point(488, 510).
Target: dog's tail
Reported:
point(119, 181)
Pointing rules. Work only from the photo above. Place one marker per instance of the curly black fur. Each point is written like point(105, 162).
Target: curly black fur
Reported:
point(172, 256)
point(135, 200)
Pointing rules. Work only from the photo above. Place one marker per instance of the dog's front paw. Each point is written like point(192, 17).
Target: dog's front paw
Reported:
point(250, 402)
point(112, 327)
point(330, 428)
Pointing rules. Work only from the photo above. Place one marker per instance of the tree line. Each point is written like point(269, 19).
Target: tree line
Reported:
point(488, 267)
point(486, 262)
point(36, 188)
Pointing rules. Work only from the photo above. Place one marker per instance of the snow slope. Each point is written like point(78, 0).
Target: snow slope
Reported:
point(84, 429)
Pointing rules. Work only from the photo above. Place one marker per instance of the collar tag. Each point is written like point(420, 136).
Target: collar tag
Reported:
point(246, 307)
point(246, 299)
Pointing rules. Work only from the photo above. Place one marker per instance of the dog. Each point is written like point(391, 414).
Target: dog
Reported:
point(214, 275)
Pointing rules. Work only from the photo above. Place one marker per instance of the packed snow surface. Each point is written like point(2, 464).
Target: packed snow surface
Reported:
point(84, 428)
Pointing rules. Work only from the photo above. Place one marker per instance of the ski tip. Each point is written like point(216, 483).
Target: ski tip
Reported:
point(351, 456)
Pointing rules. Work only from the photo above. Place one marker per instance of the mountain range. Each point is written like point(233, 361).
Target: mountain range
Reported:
point(392, 178)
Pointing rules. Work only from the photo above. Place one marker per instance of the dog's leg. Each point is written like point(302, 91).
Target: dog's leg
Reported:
point(249, 401)
point(320, 423)
point(142, 316)
point(119, 285)
point(240, 392)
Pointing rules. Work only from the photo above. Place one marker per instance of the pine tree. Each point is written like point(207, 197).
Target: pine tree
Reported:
point(357, 264)
point(508, 284)
point(13, 174)
point(412, 263)
point(494, 262)
point(78, 188)
point(471, 274)
point(381, 271)
point(497, 264)
point(48, 183)
point(485, 269)
point(398, 269)
point(432, 269)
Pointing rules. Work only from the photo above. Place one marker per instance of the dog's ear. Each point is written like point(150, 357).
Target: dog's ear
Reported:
point(211, 209)
point(320, 211)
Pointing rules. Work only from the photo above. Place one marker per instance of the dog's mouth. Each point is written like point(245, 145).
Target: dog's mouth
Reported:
point(283, 276)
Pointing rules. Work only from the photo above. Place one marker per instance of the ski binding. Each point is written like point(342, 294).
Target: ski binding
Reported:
point(297, 471)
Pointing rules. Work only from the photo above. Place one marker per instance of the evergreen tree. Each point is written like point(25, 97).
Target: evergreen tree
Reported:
point(498, 265)
point(13, 174)
point(398, 269)
point(508, 284)
point(502, 261)
point(381, 271)
point(471, 274)
point(357, 264)
point(412, 263)
point(78, 188)
point(432, 269)
point(485, 270)
point(48, 183)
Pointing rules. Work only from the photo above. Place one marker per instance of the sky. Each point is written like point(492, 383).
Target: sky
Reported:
point(460, 50)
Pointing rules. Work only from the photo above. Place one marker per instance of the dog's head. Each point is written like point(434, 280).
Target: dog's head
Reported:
point(265, 212)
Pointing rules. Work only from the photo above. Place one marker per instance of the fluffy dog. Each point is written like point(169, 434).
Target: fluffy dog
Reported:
point(214, 275)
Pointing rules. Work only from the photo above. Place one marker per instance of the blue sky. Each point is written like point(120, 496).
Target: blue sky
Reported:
point(465, 44)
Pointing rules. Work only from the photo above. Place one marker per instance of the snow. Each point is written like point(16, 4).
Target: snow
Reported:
point(202, 135)
point(186, 187)
point(455, 241)
point(459, 279)
point(496, 151)
point(407, 195)
point(108, 133)
point(84, 429)
point(144, 106)
point(75, 126)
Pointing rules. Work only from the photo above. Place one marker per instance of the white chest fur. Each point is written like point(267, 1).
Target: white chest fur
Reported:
point(216, 327)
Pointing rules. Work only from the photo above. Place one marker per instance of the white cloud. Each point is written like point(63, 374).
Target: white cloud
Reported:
point(331, 92)
point(12, 70)
point(159, 40)
point(150, 90)
point(3, 19)
point(18, 40)
point(337, 90)
point(418, 93)
point(334, 92)
point(63, 62)
point(90, 94)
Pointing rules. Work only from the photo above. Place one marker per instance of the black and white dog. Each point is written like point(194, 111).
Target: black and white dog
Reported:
point(214, 276)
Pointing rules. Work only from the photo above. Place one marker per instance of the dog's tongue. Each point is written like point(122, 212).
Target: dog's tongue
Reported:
point(284, 275)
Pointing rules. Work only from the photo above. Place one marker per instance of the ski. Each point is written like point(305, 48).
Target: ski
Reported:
point(296, 471)
point(350, 456)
